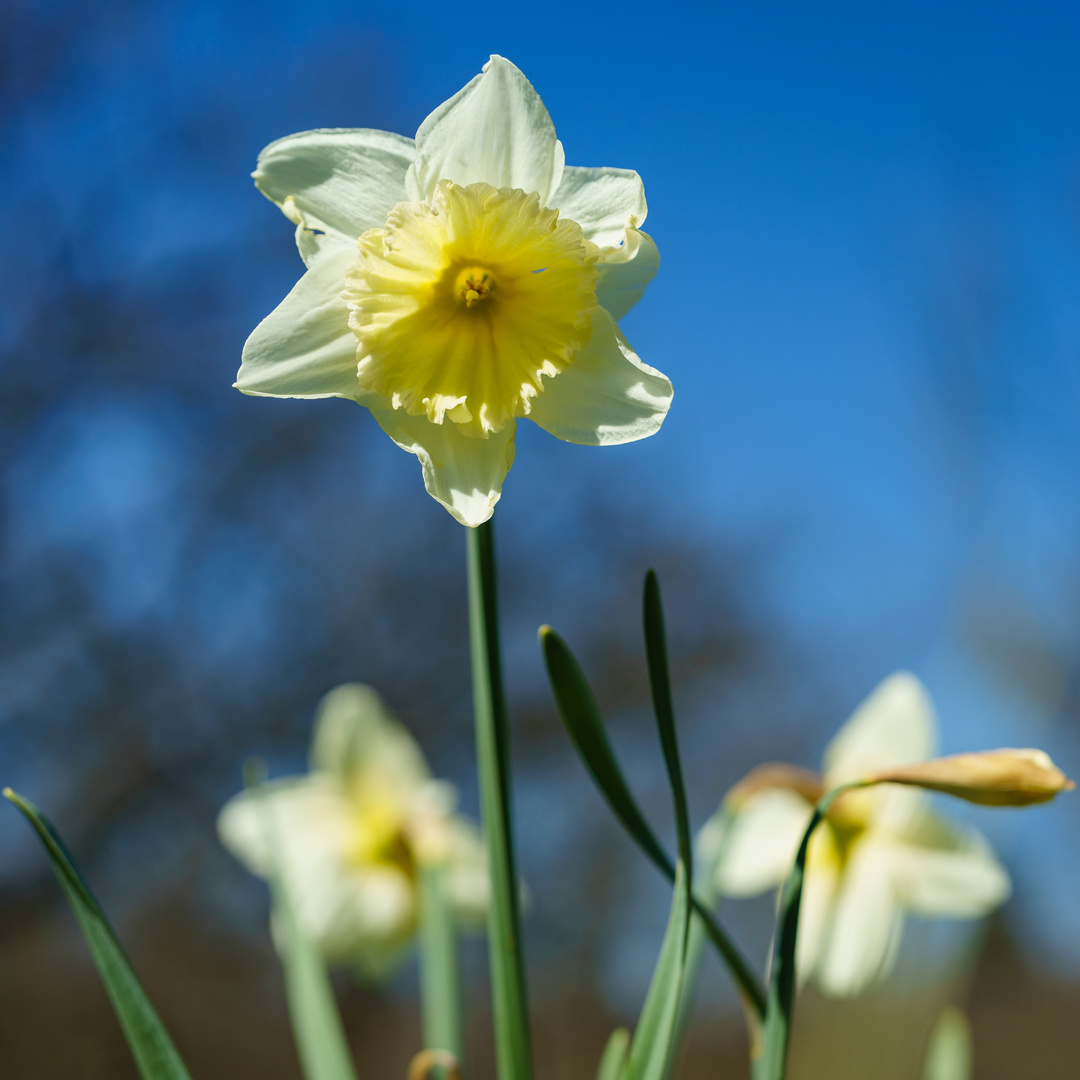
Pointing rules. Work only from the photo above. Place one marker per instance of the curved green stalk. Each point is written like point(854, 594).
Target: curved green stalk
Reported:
point(509, 1001)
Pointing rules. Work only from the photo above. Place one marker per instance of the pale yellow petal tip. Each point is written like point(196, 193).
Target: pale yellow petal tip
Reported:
point(8, 794)
point(771, 776)
point(1006, 777)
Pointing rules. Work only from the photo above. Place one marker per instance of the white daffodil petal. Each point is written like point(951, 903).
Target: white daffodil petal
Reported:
point(607, 395)
point(287, 824)
point(893, 726)
point(304, 347)
point(604, 202)
point(352, 913)
point(816, 910)
point(625, 272)
point(762, 843)
point(338, 182)
point(356, 733)
point(867, 921)
point(943, 869)
point(496, 131)
point(464, 474)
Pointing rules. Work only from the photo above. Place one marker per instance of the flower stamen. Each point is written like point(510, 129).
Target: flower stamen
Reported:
point(473, 285)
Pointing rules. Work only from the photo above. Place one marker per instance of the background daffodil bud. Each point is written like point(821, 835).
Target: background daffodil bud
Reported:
point(991, 778)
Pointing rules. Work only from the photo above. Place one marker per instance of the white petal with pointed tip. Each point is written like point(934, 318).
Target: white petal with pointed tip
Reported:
point(603, 201)
point(607, 395)
point(339, 182)
point(625, 272)
point(763, 841)
point(304, 347)
point(465, 475)
point(893, 726)
point(356, 733)
point(495, 130)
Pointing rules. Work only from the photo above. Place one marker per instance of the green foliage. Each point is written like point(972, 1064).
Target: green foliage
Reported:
point(581, 715)
point(653, 1045)
point(652, 1048)
point(153, 1050)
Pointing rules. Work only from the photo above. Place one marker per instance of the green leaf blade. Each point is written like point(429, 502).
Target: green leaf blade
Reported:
point(660, 685)
point(153, 1049)
point(581, 716)
point(652, 1049)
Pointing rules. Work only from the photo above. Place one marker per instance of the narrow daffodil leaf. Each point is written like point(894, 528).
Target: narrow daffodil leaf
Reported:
point(581, 715)
point(153, 1050)
point(653, 1045)
point(316, 1023)
point(613, 1060)
point(660, 685)
point(782, 979)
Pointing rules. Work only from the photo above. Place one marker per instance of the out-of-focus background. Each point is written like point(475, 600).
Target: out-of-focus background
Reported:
point(869, 219)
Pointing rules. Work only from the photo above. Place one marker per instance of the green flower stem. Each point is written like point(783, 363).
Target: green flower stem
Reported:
point(708, 895)
point(509, 1003)
point(440, 975)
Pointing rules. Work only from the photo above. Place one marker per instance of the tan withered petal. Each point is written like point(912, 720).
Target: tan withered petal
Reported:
point(776, 774)
point(991, 778)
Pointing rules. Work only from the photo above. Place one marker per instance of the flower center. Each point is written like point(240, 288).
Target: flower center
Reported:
point(379, 836)
point(473, 285)
point(461, 306)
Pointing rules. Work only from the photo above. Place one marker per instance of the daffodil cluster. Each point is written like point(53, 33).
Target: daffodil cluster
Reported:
point(459, 281)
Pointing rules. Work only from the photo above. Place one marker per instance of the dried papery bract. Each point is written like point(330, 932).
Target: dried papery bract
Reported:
point(775, 775)
point(990, 778)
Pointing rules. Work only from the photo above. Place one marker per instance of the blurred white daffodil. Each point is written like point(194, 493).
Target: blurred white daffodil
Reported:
point(350, 837)
point(459, 281)
point(879, 853)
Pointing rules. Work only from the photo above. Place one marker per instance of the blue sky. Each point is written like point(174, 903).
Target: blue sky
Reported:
point(869, 221)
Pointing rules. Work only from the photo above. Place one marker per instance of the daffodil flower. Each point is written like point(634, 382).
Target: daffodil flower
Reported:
point(880, 853)
point(458, 282)
point(350, 837)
